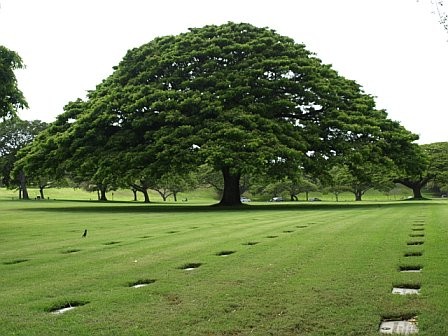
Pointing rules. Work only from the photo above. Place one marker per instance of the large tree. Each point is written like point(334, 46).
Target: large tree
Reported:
point(242, 99)
point(11, 98)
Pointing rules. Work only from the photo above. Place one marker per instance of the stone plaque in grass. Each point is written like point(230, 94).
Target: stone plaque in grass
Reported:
point(399, 327)
point(68, 251)
point(15, 261)
point(112, 243)
point(406, 289)
point(141, 283)
point(410, 268)
point(65, 307)
point(415, 242)
point(413, 254)
point(190, 266)
point(224, 253)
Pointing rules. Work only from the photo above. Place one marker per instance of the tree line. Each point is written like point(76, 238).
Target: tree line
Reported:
point(239, 100)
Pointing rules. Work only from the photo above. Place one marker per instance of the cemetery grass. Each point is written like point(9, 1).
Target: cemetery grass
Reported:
point(283, 269)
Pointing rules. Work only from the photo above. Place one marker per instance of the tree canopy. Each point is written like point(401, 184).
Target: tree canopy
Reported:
point(242, 99)
point(11, 98)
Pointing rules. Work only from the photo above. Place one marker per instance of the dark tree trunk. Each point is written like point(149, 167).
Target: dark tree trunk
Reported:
point(102, 192)
point(175, 196)
point(231, 193)
point(41, 191)
point(162, 194)
point(134, 191)
point(358, 195)
point(417, 191)
point(23, 188)
point(336, 194)
point(307, 194)
point(145, 195)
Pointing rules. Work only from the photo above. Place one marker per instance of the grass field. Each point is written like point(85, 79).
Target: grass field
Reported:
point(284, 269)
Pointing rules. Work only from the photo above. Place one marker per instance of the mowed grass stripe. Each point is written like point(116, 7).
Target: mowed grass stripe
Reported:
point(334, 276)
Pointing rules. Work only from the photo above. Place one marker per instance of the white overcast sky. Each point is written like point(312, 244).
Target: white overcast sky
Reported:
point(395, 49)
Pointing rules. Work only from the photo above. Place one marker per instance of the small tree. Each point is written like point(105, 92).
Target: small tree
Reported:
point(338, 181)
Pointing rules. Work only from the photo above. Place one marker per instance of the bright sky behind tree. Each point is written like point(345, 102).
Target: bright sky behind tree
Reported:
point(395, 49)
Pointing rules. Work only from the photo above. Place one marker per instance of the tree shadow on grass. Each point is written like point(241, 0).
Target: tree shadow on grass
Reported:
point(123, 207)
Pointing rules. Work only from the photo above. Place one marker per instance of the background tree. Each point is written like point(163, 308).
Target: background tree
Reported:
point(438, 164)
point(371, 164)
point(11, 98)
point(173, 184)
point(338, 181)
point(15, 134)
point(275, 189)
point(428, 164)
point(307, 184)
point(360, 178)
point(288, 187)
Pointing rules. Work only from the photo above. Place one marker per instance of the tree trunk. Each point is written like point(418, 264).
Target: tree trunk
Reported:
point(23, 188)
point(162, 194)
point(175, 196)
point(145, 195)
point(231, 193)
point(102, 192)
point(134, 191)
point(41, 191)
point(417, 191)
point(358, 195)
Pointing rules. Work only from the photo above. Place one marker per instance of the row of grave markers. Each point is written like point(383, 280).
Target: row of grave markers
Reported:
point(67, 306)
point(407, 326)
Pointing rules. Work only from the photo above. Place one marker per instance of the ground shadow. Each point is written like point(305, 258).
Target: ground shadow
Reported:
point(128, 207)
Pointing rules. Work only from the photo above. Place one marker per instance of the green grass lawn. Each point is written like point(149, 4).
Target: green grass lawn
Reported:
point(283, 269)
